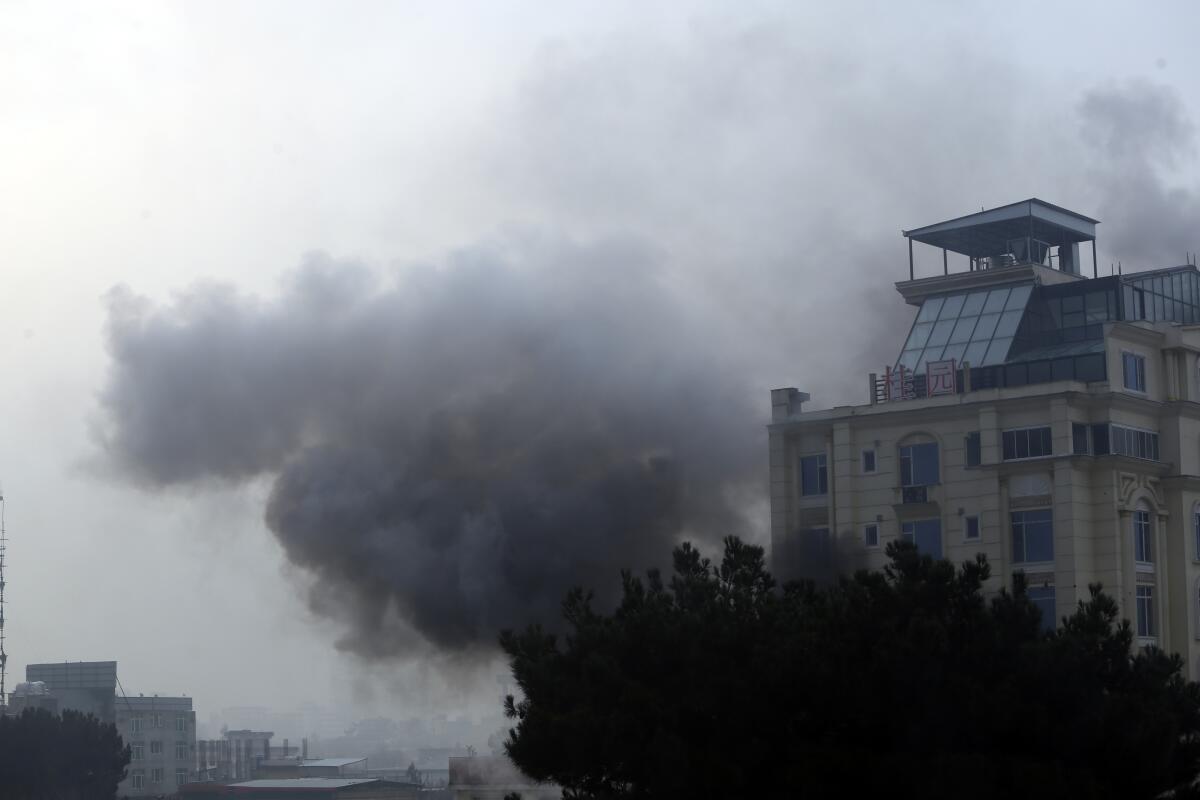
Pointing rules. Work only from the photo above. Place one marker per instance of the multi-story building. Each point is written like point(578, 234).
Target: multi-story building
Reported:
point(161, 733)
point(86, 686)
point(1047, 418)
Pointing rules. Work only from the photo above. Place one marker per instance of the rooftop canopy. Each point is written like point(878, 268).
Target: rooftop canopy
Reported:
point(1029, 232)
point(988, 233)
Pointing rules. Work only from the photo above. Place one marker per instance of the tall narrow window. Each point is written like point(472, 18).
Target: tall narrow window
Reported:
point(971, 444)
point(871, 535)
point(1079, 439)
point(1043, 598)
point(1143, 547)
point(971, 528)
point(1032, 535)
point(1146, 623)
point(919, 465)
point(868, 460)
point(813, 475)
point(1133, 368)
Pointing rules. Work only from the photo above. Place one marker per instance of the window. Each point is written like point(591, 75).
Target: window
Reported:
point(1146, 627)
point(1043, 598)
point(156, 748)
point(181, 776)
point(871, 535)
point(1026, 443)
point(181, 751)
point(1079, 439)
point(971, 528)
point(1133, 367)
point(926, 534)
point(1032, 535)
point(1134, 442)
point(156, 775)
point(1143, 548)
point(919, 464)
point(971, 445)
point(813, 477)
point(1196, 533)
point(138, 778)
point(181, 723)
point(135, 723)
point(139, 751)
point(868, 460)
point(156, 720)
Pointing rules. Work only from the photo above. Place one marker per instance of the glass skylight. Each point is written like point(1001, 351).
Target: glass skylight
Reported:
point(973, 326)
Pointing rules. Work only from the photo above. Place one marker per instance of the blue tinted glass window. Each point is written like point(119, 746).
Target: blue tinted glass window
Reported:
point(926, 534)
point(962, 331)
point(930, 309)
point(997, 351)
point(996, 300)
point(1043, 598)
point(985, 328)
point(1032, 536)
point(973, 304)
point(1142, 533)
point(813, 475)
point(919, 464)
point(1008, 323)
point(951, 307)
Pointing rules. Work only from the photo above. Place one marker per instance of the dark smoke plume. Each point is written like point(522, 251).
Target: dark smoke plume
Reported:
point(1142, 139)
point(453, 449)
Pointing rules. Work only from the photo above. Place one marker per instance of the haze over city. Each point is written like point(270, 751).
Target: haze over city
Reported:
point(285, 268)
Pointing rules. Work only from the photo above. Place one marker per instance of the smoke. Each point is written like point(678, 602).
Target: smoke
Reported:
point(451, 447)
point(1142, 140)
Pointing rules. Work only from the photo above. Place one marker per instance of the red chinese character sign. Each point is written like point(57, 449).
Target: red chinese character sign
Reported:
point(939, 378)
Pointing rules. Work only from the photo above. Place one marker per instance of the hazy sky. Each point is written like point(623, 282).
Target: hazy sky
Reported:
point(762, 163)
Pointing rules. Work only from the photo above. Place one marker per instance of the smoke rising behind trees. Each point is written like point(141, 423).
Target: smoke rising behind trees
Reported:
point(451, 446)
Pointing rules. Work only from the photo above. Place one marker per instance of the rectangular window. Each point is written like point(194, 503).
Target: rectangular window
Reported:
point(813, 475)
point(1026, 443)
point(871, 535)
point(1043, 598)
point(971, 528)
point(1143, 549)
point(138, 779)
point(1133, 442)
point(1079, 439)
point(181, 723)
point(1196, 535)
point(181, 776)
point(181, 749)
point(971, 444)
point(156, 720)
point(156, 775)
point(135, 723)
point(1133, 367)
point(1146, 626)
point(1032, 536)
point(868, 460)
point(926, 534)
point(139, 751)
point(156, 748)
point(919, 465)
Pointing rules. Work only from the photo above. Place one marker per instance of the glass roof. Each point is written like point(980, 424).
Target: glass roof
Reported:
point(972, 326)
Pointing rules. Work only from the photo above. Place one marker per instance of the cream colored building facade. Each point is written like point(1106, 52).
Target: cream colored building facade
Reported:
point(1070, 453)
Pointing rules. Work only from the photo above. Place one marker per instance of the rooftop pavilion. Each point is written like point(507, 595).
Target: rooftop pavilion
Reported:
point(1029, 232)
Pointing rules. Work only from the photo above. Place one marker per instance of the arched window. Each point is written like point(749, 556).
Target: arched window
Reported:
point(1143, 534)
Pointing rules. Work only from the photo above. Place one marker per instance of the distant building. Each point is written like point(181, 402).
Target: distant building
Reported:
point(86, 686)
point(161, 734)
point(313, 768)
point(30, 695)
point(495, 778)
point(307, 788)
point(1044, 417)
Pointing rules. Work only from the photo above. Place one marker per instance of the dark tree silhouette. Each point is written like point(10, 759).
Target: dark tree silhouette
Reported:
point(905, 680)
point(71, 756)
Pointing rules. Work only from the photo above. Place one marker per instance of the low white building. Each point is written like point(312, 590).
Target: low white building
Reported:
point(1048, 419)
point(161, 733)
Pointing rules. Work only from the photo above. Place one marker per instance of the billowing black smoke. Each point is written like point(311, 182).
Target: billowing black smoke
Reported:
point(454, 448)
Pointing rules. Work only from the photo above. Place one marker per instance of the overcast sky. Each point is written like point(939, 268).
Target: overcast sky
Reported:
point(762, 163)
